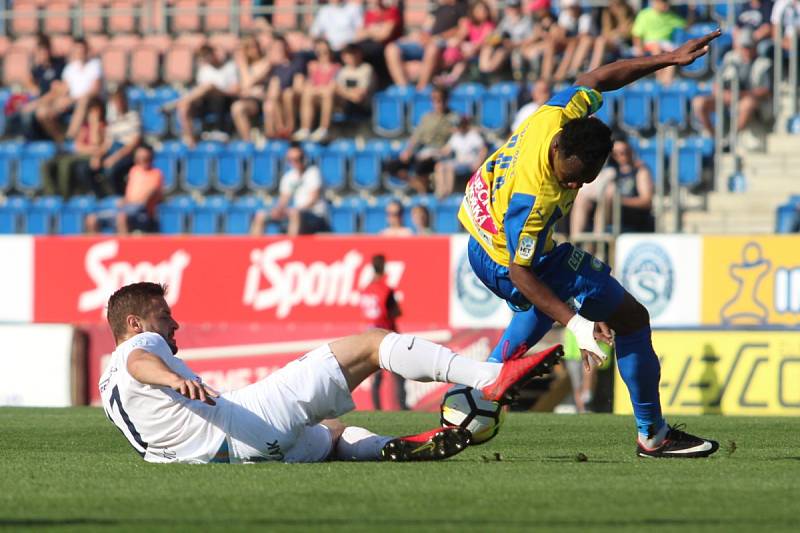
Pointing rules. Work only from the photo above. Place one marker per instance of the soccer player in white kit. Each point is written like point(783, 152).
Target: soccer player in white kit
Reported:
point(168, 414)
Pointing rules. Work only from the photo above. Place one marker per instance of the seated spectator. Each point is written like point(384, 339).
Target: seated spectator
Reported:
point(383, 24)
point(474, 30)
point(338, 23)
point(319, 90)
point(652, 31)
point(513, 33)
point(575, 38)
point(284, 86)
point(123, 136)
point(137, 209)
point(425, 145)
point(463, 154)
point(252, 67)
point(755, 16)
point(70, 173)
point(421, 220)
point(634, 181)
point(786, 13)
point(440, 26)
point(394, 221)
point(540, 50)
point(540, 94)
point(615, 33)
point(755, 85)
point(216, 89)
point(43, 88)
point(82, 78)
point(301, 208)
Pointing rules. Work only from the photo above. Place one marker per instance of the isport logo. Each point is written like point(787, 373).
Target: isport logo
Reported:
point(475, 298)
point(648, 275)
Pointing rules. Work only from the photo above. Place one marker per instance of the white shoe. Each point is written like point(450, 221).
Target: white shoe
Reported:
point(320, 134)
point(301, 134)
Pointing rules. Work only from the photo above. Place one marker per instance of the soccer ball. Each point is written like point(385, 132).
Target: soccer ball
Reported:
point(467, 408)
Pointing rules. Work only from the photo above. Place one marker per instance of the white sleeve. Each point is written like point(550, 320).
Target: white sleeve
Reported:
point(585, 24)
point(777, 11)
point(94, 69)
point(286, 186)
point(313, 178)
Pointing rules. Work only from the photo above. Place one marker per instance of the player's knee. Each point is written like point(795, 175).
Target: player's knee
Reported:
point(631, 316)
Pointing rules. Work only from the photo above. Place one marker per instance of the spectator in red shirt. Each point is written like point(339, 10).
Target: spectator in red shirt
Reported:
point(383, 24)
point(381, 309)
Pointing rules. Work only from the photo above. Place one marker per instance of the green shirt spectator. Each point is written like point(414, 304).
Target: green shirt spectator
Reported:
point(656, 24)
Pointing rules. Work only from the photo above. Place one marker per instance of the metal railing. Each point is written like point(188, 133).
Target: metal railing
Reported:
point(778, 92)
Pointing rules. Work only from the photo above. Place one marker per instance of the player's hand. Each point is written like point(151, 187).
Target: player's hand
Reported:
point(694, 48)
point(603, 333)
point(196, 390)
point(584, 331)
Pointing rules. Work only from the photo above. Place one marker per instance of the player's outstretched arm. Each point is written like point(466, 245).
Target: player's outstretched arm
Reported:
point(150, 369)
point(620, 73)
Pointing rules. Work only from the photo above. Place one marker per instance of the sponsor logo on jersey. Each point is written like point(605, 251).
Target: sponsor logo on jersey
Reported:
point(648, 275)
point(273, 281)
point(474, 297)
point(477, 202)
point(526, 246)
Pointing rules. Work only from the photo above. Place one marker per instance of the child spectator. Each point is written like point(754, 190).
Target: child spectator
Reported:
point(513, 32)
point(463, 155)
point(318, 91)
point(421, 220)
point(252, 67)
point(284, 85)
point(394, 221)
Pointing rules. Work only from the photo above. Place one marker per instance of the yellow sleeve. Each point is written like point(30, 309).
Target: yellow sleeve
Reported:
point(528, 221)
point(577, 101)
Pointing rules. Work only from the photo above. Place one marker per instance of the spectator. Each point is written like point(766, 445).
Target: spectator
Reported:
point(755, 16)
point(383, 24)
point(421, 220)
point(440, 26)
point(615, 34)
point(425, 145)
point(252, 68)
point(69, 173)
point(462, 156)
point(301, 208)
point(319, 91)
point(380, 308)
point(634, 181)
point(137, 210)
point(216, 89)
point(540, 94)
point(82, 81)
point(755, 76)
point(513, 33)
point(540, 49)
point(394, 221)
point(284, 85)
point(43, 86)
point(652, 31)
point(474, 31)
point(575, 38)
point(123, 136)
point(786, 13)
point(338, 23)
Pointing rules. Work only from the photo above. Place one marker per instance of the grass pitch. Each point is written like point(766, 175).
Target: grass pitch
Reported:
point(70, 469)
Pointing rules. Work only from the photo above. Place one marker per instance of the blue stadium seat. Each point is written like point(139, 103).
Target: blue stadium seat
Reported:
point(701, 66)
point(390, 181)
point(691, 152)
point(389, 111)
point(174, 213)
point(206, 218)
point(673, 103)
point(11, 213)
point(794, 125)
point(9, 153)
point(464, 98)
point(637, 105)
point(334, 161)
point(202, 163)
point(42, 215)
point(344, 215)
point(313, 151)
point(785, 217)
point(73, 214)
point(427, 200)
point(265, 167)
point(239, 215)
point(445, 215)
point(167, 159)
point(374, 214)
point(608, 111)
point(419, 104)
point(32, 156)
point(232, 162)
point(367, 165)
point(154, 122)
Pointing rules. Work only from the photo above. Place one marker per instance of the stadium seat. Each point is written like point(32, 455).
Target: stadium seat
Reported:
point(637, 105)
point(122, 18)
point(73, 214)
point(178, 64)
point(145, 65)
point(91, 18)
point(420, 104)
point(16, 66)
point(793, 126)
point(785, 216)
point(494, 112)
point(154, 122)
point(464, 98)
point(218, 15)
point(185, 16)
point(32, 156)
point(390, 181)
point(232, 161)
point(374, 214)
point(388, 118)
point(673, 103)
point(173, 214)
point(202, 165)
point(701, 66)
point(9, 153)
point(445, 214)
point(41, 216)
point(206, 218)
point(367, 166)
point(334, 161)
point(428, 201)
point(691, 152)
point(25, 20)
point(608, 111)
point(167, 159)
point(115, 64)
point(11, 213)
point(57, 18)
point(227, 43)
point(239, 215)
point(344, 215)
point(265, 167)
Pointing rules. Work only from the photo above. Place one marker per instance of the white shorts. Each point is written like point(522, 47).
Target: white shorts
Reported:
point(278, 418)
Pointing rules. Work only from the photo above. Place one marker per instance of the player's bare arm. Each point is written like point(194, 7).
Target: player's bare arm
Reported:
point(150, 369)
point(620, 73)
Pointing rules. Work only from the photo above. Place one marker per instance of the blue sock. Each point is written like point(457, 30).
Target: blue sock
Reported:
point(641, 372)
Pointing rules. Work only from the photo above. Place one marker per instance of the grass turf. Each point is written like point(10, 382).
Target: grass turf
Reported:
point(71, 469)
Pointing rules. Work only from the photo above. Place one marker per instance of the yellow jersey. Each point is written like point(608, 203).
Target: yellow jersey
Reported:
point(513, 201)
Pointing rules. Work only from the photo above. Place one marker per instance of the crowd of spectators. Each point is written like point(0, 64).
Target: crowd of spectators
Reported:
point(267, 89)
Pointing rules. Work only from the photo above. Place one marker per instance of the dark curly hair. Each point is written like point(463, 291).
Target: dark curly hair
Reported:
point(589, 139)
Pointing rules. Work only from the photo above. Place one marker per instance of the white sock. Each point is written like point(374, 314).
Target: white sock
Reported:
point(421, 360)
point(657, 439)
point(359, 444)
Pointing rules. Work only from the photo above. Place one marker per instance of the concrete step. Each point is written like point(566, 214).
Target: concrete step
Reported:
point(783, 143)
point(748, 203)
point(721, 222)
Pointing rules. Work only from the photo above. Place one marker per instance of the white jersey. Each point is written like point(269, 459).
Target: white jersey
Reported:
point(160, 424)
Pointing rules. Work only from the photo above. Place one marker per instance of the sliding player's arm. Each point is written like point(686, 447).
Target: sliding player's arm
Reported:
point(620, 73)
point(150, 369)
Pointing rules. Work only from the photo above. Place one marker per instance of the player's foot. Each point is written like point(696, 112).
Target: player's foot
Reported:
point(679, 444)
point(439, 443)
point(517, 372)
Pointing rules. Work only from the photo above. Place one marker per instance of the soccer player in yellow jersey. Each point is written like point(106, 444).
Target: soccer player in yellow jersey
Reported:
point(510, 207)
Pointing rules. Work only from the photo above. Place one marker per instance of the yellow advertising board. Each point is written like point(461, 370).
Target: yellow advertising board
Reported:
point(725, 372)
point(751, 281)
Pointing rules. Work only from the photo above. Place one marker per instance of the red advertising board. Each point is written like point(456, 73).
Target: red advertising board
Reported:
point(212, 279)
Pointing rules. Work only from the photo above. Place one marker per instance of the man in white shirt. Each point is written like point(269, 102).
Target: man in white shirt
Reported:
point(301, 207)
point(338, 23)
point(168, 414)
point(464, 153)
point(217, 88)
point(540, 94)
